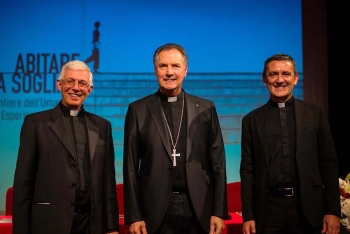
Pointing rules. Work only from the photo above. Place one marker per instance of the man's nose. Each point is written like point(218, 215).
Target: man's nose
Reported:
point(76, 85)
point(280, 78)
point(169, 70)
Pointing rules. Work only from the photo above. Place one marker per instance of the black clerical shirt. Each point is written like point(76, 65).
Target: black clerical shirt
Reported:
point(76, 125)
point(172, 111)
point(281, 144)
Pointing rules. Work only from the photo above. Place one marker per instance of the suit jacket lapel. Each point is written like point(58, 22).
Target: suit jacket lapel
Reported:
point(154, 107)
point(93, 133)
point(192, 110)
point(260, 121)
point(300, 112)
point(60, 129)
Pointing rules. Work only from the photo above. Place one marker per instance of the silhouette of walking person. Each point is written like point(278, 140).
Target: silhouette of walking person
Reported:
point(95, 48)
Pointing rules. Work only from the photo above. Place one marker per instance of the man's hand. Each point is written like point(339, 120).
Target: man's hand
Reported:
point(138, 228)
point(217, 225)
point(331, 224)
point(249, 227)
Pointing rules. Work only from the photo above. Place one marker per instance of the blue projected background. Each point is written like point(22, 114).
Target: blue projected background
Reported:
point(227, 43)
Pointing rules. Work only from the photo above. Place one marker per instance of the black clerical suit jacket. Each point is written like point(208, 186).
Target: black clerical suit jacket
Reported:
point(46, 175)
point(316, 163)
point(148, 167)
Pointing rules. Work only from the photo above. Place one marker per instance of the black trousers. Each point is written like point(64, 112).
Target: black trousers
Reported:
point(180, 217)
point(285, 216)
point(81, 223)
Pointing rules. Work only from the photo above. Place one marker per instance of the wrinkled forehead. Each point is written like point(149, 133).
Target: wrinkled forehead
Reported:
point(170, 54)
point(280, 65)
point(77, 74)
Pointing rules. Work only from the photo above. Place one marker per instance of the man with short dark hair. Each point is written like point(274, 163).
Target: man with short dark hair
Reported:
point(289, 169)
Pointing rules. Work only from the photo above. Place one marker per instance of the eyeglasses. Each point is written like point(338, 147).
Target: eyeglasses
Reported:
point(83, 85)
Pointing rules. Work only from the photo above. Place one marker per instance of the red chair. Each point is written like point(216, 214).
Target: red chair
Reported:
point(234, 197)
point(120, 194)
point(9, 197)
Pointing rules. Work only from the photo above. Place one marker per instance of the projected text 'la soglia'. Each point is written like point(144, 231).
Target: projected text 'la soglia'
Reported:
point(36, 73)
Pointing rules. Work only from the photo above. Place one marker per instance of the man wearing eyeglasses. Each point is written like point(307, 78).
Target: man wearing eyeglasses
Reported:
point(65, 177)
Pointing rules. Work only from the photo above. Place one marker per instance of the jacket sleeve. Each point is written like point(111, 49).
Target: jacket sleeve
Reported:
point(111, 198)
point(329, 167)
point(246, 173)
point(218, 163)
point(24, 179)
point(132, 208)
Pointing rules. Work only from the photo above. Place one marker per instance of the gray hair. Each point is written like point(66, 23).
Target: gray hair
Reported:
point(75, 65)
point(170, 46)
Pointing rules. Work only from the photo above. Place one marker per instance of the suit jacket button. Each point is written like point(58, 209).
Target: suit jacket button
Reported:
point(73, 164)
point(74, 185)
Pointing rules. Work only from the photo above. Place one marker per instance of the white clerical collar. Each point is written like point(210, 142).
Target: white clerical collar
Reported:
point(172, 99)
point(74, 112)
point(281, 104)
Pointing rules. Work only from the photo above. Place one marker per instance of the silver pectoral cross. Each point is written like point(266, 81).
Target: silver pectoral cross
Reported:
point(174, 155)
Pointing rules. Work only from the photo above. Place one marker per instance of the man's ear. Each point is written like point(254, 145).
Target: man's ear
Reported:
point(59, 85)
point(90, 90)
point(296, 79)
